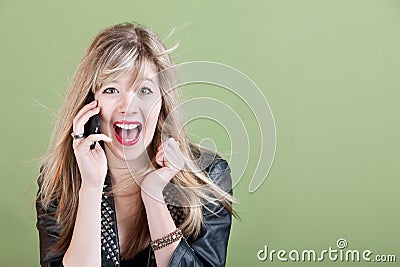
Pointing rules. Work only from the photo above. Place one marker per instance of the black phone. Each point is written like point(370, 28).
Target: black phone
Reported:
point(93, 124)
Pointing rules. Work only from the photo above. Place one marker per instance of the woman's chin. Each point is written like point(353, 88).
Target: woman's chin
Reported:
point(136, 154)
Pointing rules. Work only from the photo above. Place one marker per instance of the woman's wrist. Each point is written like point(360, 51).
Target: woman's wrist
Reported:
point(152, 195)
point(91, 184)
point(90, 190)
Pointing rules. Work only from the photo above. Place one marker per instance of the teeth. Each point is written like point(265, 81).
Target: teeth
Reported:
point(127, 126)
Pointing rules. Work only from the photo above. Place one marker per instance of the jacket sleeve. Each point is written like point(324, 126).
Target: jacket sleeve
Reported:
point(48, 233)
point(209, 249)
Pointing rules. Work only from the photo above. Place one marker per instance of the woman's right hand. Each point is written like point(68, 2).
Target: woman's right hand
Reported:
point(92, 163)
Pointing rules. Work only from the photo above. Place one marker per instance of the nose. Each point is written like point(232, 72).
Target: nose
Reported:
point(128, 103)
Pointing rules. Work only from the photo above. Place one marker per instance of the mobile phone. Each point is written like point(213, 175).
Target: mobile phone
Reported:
point(93, 124)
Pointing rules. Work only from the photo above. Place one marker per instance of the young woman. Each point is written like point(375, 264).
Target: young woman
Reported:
point(139, 193)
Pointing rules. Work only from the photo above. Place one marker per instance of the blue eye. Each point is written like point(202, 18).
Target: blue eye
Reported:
point(110, 90)
point(145, 91)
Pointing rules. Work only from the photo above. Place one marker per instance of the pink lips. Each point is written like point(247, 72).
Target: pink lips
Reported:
point(125, 142)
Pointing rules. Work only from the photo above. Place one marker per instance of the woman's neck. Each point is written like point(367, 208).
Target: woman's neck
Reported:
point(127, 173)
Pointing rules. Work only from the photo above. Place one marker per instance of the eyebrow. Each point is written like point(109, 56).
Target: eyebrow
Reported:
point(144, 80)
point(147, 79)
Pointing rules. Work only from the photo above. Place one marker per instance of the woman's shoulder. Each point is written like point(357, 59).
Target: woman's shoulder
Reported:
point(52, 206)
point(216, 168)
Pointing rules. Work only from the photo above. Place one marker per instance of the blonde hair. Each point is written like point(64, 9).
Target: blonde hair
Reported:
point(114, 51)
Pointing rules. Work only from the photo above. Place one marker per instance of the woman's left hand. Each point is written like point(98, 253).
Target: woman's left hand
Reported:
point(171, 160)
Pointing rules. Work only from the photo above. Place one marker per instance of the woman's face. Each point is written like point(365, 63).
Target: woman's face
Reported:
point(129, 115)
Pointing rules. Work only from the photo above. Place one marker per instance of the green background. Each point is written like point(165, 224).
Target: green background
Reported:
point(330, 71)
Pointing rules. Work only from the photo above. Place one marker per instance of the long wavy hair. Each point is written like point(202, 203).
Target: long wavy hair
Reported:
point(113, 52)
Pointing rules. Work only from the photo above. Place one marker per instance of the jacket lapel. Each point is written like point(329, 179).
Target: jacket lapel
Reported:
point(110, 253)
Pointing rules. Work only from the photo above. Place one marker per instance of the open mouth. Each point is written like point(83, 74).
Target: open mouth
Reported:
point(127, 132)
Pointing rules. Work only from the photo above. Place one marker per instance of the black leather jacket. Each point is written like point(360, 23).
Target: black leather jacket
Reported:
point(209, 249)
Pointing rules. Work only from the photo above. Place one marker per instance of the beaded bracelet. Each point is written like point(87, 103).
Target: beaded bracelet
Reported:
point(166, 240)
